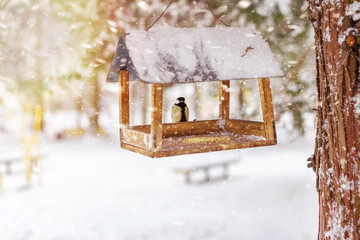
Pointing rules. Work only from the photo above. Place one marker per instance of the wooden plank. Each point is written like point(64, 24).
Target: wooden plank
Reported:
point(212, 139)
point(156, 116)
point(137, 150)
point(267, 108)
point(207, 126)
point(220, 147)
point(194, 168)
point(183, 128)
point(245, 127)
point(141, 128)
point(224, 99)
point(136, 138)
point(192, 149)
point(205, 168)
point(124, 99)
point(190, 128)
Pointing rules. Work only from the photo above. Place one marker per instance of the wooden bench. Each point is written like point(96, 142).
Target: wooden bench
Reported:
point(8, 160)
point(205, 168)
point(15, 158)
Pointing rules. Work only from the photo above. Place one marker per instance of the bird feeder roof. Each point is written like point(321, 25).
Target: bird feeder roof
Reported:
point(179, 55)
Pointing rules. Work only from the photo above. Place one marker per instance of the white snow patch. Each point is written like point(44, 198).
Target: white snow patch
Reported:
point(327, 34)
point(336, 230)
point(343, 36)
point(356, 100)
point(221, 124)
point(146, 141)
point(353, 10)
point(329, 174)
point(91, 189)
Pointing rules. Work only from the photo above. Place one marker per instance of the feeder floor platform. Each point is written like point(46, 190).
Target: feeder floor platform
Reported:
point(214, 141)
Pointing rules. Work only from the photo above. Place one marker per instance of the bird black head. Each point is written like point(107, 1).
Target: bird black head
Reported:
point(181, 99)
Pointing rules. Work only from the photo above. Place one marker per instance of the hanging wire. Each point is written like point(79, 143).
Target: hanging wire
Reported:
point(160, 15)
point(207, 3)
point(214, 14)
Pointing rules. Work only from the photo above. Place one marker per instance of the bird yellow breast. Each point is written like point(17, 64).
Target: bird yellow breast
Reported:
point(176, 114)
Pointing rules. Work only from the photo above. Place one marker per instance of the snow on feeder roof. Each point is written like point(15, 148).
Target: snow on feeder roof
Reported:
point(178, 55)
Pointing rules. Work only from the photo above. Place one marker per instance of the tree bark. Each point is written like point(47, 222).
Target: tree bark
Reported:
point(336, 157)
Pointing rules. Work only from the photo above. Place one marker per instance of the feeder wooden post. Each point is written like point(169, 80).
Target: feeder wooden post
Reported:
point(267, 108)
point(224, 100)
point(156, 117)
point(124, 100)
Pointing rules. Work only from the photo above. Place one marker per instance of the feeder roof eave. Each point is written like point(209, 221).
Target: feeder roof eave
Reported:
point(115, 79)
point(213, 80)
point(186, 55)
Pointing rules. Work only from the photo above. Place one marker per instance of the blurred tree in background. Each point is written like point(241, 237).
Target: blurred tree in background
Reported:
point(20, 49)
point(67, 46)
point(290, 36)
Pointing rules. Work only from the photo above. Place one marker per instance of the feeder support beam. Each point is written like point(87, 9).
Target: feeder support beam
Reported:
point(156, 117)
point(224, 99)
point(267, 108)
point(124, 101)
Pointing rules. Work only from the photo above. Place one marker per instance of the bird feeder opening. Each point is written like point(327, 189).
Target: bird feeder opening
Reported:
point(245, 101)
point(159, 57)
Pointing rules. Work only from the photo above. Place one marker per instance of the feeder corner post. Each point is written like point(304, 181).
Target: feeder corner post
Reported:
point(224, 99)
point(267, 108)
point(156, 116)
point(124, 101)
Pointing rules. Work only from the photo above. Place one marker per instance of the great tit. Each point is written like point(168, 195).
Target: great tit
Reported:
point(180, 112)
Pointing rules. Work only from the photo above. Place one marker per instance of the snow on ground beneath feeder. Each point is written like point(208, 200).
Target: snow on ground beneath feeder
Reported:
point(168, 54)
point(88, 188)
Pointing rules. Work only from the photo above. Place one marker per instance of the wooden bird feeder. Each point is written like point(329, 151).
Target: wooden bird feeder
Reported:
point(168, 55)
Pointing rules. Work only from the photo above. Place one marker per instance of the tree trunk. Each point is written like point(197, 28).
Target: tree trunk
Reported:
point(336, 157)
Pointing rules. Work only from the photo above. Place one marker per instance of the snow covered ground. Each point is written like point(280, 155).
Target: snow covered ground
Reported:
point(91, 189)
